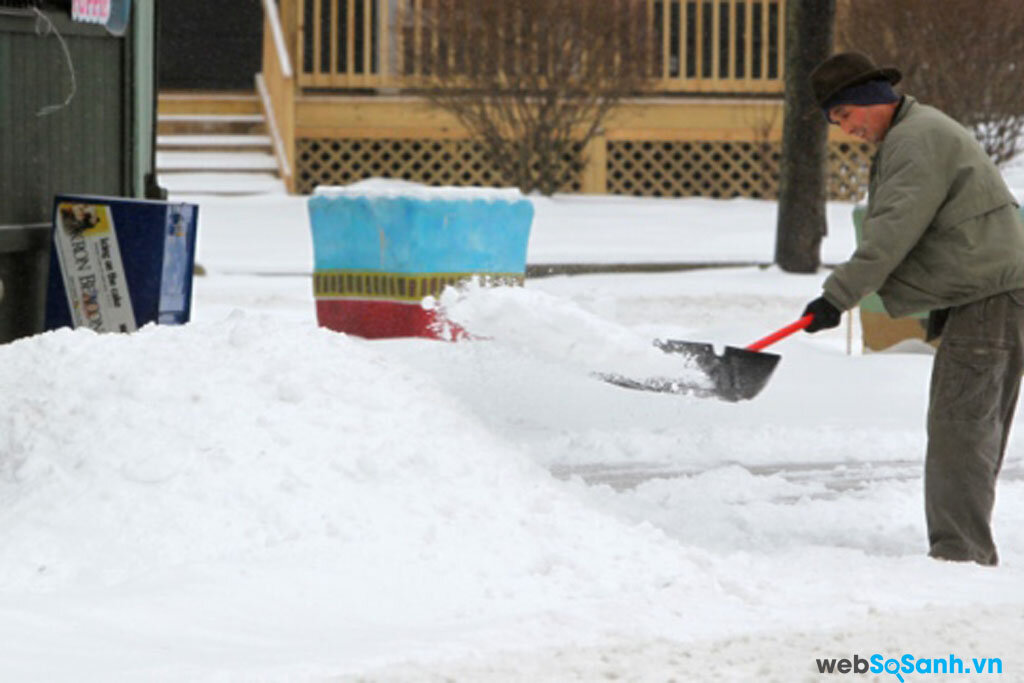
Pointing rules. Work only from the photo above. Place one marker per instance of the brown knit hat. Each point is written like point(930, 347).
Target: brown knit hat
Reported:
point(844, 70)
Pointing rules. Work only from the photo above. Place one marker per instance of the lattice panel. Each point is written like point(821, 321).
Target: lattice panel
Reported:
point(849, 165)
point(327, 161)
point(647, 168)
point(653, 168)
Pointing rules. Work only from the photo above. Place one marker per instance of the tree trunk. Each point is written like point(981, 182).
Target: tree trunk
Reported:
point(802, 182)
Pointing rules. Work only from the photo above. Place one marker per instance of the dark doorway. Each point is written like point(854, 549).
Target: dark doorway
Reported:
point(209, 45)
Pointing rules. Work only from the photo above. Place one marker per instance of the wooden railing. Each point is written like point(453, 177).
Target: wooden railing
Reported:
point(696, 46)
point(720, 46)
point(276, 87)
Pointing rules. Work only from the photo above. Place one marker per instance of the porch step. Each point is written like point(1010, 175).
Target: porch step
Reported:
point(203, 160)
point(214, 144)
point(221, 184)
point(208, 102)
point(210, 124)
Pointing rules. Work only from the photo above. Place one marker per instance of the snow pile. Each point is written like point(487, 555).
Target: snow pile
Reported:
point(251, 441)
point(559, 331)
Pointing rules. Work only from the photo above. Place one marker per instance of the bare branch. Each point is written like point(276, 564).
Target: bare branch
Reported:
point(534, 80)
point(962, 56)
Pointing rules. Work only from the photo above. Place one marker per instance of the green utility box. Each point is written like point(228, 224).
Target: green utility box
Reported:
point(880, 331)
point(24, 268)
point(77, 115)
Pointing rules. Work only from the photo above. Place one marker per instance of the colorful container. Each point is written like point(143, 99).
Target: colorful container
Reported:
point(381, 247)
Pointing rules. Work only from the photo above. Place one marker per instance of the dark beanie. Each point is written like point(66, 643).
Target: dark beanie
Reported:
point(878, 91)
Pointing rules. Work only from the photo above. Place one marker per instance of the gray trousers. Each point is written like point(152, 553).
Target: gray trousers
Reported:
point(975, 382)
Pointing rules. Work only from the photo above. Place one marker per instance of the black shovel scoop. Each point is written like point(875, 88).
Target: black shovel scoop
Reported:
point(736, 375)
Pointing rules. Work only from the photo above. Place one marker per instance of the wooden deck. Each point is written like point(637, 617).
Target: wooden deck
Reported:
point(339, 93)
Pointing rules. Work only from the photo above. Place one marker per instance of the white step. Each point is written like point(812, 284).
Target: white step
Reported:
point(215, 118)
point(178, 184)
point(210, 124)
point(210, 161)
point(213, 141)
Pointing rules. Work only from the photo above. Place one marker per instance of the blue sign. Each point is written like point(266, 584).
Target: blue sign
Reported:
point(118, 264)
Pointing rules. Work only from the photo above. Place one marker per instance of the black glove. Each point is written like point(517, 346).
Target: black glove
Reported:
point(825, 315)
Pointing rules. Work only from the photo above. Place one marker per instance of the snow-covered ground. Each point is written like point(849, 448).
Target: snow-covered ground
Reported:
point(253, 498)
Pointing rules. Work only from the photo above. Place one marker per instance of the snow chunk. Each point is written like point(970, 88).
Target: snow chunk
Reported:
point(383, 187)
point(561, 331)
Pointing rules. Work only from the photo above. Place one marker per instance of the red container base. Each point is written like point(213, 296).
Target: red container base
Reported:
point(383, 319)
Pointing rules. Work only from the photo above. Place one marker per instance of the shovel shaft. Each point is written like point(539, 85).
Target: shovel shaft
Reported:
point(781, 334)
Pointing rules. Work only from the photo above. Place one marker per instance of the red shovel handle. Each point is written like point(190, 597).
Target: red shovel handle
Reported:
point(781, 334)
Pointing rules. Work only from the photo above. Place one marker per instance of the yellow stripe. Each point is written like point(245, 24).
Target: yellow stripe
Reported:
point(334, 284)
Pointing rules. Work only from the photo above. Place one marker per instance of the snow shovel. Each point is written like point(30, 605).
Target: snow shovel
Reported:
point(736, 375)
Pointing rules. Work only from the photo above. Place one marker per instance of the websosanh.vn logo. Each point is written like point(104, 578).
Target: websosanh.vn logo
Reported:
point(909, 664)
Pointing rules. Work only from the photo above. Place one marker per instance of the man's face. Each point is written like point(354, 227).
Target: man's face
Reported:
point(869, 123)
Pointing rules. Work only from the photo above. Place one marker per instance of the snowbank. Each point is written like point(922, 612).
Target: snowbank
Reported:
point(245, 439)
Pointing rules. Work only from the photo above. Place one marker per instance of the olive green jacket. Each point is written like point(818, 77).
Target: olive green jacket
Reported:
point(941, 228)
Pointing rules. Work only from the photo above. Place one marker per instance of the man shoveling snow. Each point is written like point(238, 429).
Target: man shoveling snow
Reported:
point(942, 234)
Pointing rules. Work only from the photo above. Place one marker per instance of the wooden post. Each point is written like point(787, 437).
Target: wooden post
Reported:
point(317, 43)
point(595, 172)
point(384, 31)
point(748, 45)
point(666, 33)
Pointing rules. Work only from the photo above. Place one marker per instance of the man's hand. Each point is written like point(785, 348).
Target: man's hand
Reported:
point(825, 315)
